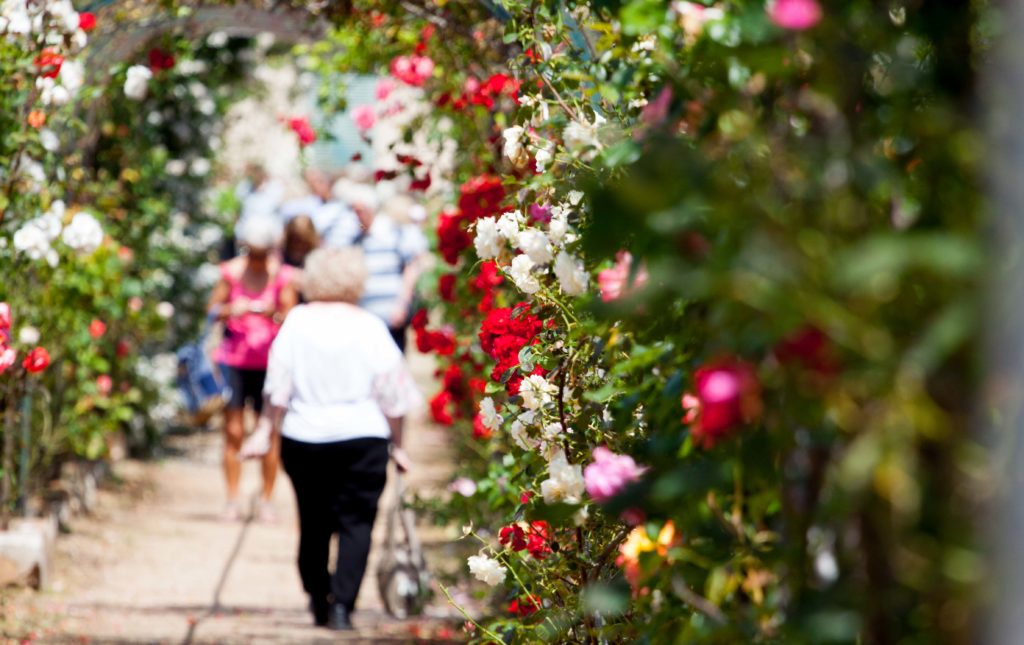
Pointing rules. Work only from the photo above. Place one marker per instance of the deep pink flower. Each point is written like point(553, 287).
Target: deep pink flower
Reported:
point(7, 358)
point(609, 474)
point(614, 282)
point(412, 70)
point(364, 117)
point(301, 127)
point(729, 395)
point(795, 14)
point(5, 317)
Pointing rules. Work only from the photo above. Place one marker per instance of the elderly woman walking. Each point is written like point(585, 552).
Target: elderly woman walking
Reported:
point(338, 389)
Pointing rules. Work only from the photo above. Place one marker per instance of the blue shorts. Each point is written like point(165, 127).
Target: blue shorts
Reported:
point(246, 387)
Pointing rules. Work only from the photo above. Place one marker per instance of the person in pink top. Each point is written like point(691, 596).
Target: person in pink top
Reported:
point(254, 294)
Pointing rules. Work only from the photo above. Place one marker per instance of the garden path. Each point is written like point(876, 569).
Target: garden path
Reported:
point(155, 564)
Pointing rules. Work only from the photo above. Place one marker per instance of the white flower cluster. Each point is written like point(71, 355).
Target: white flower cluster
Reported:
point(49, 21)
point(538, 248)
point(35, 237)
point(84, 234)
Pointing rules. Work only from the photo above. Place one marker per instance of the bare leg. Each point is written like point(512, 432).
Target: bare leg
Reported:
point(234, 432)
point(271, 461)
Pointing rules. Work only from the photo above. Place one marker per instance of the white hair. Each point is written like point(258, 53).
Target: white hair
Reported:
point(334, 275)
point(258, 231)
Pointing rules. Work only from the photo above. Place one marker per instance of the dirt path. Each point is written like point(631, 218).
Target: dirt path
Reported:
point(155, 564)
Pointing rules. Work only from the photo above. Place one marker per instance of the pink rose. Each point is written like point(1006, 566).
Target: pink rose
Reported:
point(364, 117)
point(614, 281)
point(7, 358)
point(5, 315)
point(795, 14)
point(609, 473)
point(104, 384)
point(412, 70)
point(385, 87)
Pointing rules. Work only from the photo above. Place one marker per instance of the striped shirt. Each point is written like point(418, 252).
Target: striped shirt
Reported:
point(388, 247)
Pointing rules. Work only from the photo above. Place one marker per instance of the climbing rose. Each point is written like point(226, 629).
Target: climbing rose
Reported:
point(729, 396)
point(439, 408)
point(795, 14)
point(446, 287)
point(609, 474)
point(452, 238)
point(5, 317)
point(7, 358)
point(37, 360)
point(97, 328)
point(480, 431)
point(159, 60)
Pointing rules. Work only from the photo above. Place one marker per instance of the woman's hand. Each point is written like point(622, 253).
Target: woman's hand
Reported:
point(401, 459)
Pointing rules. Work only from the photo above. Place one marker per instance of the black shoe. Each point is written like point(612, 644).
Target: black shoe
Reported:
point(338, 618)
point(320, 611)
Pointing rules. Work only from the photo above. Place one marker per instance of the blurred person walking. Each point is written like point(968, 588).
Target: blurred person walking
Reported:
point(394, 257)
point(254, 294)
point(338, 390)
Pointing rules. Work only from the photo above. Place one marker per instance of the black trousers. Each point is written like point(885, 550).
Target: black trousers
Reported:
point(337, 486)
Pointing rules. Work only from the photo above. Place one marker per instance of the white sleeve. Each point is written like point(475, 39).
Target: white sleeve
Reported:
point(393, 386)
point(411, 242)
point(278, 384)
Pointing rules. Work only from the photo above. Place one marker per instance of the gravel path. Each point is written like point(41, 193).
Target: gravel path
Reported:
point(155, 564)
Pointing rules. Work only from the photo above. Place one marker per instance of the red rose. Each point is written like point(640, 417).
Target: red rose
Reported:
point(524, 606)
point(810, 348)
point(37, 360)
point(480, 431)
point(439, 408)
point(481, 197)
point(419, 319)
point(160, 60)
point(104, 384)
point(123, 348)
point(452, 237)
point(49, 63)
point(512, 536)
point(86, 21)
point(446, 287)
point(97, 328)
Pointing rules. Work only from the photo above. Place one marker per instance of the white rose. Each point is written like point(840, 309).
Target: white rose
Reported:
point(521, 276)
point(558, 226)
point(572, 277)
point(543, 156)
point(489, 415)
point(136, 82)
point(72, 75)
point(551, 431)
point(217, 39)
point(575, 197)
point(535, 244)
point(536, 392)
point(508, 226)
point(176, 167)
point(486, 241)
point(513, 146)
point(581, 137)
point(49, 139)
point(565, 481)
point(31, 240)
point(200, 167)
point(28, 335)
point(487, 570)
point(84, 234)
point(165, 310)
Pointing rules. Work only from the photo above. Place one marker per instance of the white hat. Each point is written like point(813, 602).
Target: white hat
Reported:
point(258, 231)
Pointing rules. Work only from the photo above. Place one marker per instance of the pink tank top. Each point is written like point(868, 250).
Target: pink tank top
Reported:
point(247, 338)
